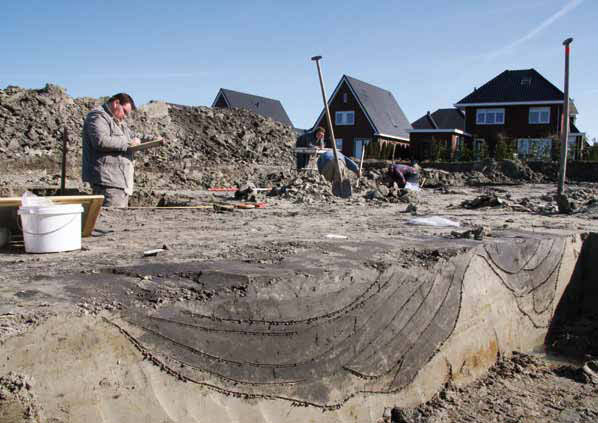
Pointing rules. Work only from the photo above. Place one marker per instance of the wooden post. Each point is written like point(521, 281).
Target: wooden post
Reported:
point(328, 119)
point(362, 159)
point(65, 139)
point(565, 126)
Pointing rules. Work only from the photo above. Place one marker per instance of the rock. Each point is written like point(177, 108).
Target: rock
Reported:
point(476, 233)
point(590, 369)
point(488, 200)
point(383, 191)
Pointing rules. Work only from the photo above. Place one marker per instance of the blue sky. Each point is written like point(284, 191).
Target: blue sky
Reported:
point(429, 54)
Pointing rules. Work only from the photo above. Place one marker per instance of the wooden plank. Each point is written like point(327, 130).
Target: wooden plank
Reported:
point(93, 211)
point(146, 145)
point(91, 205)
point(172, 207)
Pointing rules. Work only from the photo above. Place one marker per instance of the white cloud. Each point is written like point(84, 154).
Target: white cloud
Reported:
point(568, 7)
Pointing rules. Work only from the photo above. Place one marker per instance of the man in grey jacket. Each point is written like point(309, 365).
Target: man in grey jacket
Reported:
point(107, 162)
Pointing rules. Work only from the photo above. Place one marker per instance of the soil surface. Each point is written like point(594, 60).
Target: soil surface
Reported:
point(233, 148)
point(518, 389)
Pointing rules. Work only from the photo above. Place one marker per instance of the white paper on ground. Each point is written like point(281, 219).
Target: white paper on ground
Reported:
point(433, 221)
point(412, 187)
point(335, 236)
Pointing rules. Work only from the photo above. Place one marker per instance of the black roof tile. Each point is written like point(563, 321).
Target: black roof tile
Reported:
point(515, 86)
point(441, 119)
point(381, 107)
point(263, 106)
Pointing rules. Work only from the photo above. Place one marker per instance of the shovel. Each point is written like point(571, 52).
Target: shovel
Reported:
point(340, 187)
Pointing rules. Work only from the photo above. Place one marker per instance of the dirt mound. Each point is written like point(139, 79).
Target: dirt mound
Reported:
point(203, 146)
point(17, 402)
point(486, 172)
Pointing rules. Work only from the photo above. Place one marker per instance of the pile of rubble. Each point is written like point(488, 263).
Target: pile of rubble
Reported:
point(17, 401)
point(32, 121)
point(203, 147)
point(581, 200)
point(487, 172)
point(510, 392)
point(306, 188)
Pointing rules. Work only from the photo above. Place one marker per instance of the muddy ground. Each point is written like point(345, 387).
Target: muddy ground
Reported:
point(523, 388)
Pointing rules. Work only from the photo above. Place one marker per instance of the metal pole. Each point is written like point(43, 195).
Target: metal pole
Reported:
point(65, 138)
point(329, 121)
point(565, 125)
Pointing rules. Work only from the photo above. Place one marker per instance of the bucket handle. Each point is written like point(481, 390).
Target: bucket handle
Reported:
point(44, 233)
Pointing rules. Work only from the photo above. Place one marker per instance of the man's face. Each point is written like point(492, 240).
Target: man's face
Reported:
point(319, 135)
point(120, 111)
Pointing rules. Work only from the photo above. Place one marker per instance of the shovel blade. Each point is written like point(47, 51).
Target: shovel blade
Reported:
point(342, 188)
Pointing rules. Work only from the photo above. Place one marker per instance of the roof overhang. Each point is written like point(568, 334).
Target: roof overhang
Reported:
point(331, 98)
point(436, 131)
point(510, 103)
point(220, 94)
point(378, 134)
point(370, 121)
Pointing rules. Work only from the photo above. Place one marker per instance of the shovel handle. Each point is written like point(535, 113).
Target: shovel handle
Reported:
point(328, 119)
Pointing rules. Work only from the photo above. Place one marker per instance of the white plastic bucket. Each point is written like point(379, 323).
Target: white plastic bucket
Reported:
point(51, 229)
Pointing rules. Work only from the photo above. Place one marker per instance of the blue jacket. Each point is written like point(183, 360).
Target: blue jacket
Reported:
point(329, 155)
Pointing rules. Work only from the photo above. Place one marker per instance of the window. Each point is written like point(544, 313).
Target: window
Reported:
point(526, 80)
point(536, 148)
point(479, 148)
point(358, 145)
point(490, 117)
point(539, 115)
point(345, 97)
point(339, 144)
point(344, 118)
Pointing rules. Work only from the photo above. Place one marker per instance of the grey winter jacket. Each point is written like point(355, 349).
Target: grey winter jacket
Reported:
point(106, 160)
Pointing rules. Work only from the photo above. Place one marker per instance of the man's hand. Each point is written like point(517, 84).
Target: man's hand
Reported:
point(134, 142)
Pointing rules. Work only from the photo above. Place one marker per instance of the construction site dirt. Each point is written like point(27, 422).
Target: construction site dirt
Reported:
point(269, 299)
point(76, 298)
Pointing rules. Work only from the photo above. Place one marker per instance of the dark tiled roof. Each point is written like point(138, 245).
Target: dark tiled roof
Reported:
point(381, 107)
point(515, 86)
point(441, 119)
point(263, 106)
point(573, 128)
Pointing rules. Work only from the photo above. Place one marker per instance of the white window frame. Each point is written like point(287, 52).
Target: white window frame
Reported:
point(483, 116)
point(344, 118)
point(363, 141)
point(539, 112)
point(542, 147)
point(339, 144)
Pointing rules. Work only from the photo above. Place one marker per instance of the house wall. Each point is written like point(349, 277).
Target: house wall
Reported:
point(361, 128)
point(516, 124)
point(422, 143)
point(221, 103)
point(401, 150)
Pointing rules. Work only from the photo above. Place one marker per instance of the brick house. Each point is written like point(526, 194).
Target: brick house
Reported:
point(361, 114)
point(263, 106)
point(443, 130)
point(522, 109)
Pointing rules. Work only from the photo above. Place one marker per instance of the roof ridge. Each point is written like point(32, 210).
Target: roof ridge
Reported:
point(432, 120)
point(249, 94)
